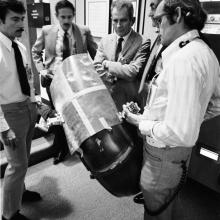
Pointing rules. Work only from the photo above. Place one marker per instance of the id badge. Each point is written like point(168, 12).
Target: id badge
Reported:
point(153, 90)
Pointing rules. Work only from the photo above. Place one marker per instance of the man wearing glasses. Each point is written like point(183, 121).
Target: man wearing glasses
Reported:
point(155, 54)
point(177, 104)
point(121, 55)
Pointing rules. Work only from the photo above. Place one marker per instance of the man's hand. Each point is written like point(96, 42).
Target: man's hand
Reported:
point(57, 120)
point(9, 138)
point(100, 69)
point(46, 77)
point(104, 73)
point(50, 74)
point(130, 117)
point(47, 73)
point(105, 64)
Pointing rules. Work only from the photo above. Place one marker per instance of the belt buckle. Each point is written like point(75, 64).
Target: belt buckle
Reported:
point(154, 143)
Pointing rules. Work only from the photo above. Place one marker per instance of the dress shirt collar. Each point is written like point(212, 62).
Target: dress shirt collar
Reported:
point(70, 30)
point(6, 41)
point(174, 46)
point(124, 37)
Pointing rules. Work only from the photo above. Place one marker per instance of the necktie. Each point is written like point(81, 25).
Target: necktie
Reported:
point(119, 48)
point(152, 72)
point(66, 47)
point(151, 63)
point(22, 75)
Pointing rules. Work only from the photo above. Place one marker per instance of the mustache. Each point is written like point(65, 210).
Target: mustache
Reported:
point(66, 24)
point(21, 29)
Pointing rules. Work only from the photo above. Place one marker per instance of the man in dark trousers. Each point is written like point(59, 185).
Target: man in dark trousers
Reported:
point(59, 42)
point(150, 71)
point(17, 109)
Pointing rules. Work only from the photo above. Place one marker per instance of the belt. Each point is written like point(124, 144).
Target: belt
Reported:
point(156, 143)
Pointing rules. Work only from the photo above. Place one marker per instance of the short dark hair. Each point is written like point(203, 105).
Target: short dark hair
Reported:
point(119, 4)
point(64, 4)
point(13, 5)
point(192, 12)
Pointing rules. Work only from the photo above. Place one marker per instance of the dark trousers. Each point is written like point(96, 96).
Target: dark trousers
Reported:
point(60, 142)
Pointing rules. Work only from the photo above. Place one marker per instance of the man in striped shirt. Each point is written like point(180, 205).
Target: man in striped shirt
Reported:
point(176, 105)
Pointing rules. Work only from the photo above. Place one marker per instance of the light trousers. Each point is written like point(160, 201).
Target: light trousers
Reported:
point(160, 178)
point(21, 118)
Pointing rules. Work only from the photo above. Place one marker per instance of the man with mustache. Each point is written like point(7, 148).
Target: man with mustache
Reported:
point(59, 42)
point(17, 109)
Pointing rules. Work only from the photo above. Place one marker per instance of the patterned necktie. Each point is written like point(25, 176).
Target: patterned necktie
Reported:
point(119, 48)
point(22, 75)
point(66, 47)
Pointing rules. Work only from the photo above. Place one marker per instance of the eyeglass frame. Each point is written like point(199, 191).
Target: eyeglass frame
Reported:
point(158, 18)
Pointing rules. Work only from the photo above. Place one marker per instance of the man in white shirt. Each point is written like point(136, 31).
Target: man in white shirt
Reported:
point(121, 55)
point(177, 104)
point(17, 109)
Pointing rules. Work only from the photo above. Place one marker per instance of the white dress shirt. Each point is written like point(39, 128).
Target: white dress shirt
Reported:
point(125, 38)
point(10, 89)
point(182, 92)
point(59, 46)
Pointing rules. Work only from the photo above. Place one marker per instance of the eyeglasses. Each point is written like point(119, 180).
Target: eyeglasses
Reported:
point(122, 21)
point(158, 19)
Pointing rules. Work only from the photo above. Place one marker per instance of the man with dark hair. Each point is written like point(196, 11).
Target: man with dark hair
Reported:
point(177, 104)
point(17, 109)
point(59, 42)
point(121, 55)
point(51, 39)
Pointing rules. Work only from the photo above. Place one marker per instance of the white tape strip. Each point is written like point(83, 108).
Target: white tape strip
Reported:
point(104, 123)
point(89, 90)
point(82, 115)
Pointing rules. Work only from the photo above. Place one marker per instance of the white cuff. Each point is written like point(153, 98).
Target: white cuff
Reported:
point(146, 127)
point(105, 64)
point(43, 72)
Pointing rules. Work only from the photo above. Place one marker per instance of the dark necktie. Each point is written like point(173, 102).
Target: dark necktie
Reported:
point(152, 72)
point(22, 75)
point(119, 48)
point(66, 47)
